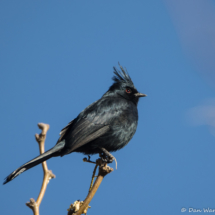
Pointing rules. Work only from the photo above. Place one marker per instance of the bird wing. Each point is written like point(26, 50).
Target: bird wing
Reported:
point(82, 133)
point(86, 134)
point(91, 124)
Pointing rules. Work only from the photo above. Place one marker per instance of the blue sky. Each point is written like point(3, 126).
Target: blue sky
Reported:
point(56, 58)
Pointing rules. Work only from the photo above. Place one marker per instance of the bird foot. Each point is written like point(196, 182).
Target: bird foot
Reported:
point(107, 157)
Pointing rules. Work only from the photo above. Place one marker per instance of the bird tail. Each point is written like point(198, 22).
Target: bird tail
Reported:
point(43, 157)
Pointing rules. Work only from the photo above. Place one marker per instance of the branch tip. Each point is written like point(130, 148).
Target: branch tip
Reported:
point(73, 208)
point(44, 127)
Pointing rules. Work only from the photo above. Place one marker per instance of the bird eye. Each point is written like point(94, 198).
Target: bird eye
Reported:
point(128, 90)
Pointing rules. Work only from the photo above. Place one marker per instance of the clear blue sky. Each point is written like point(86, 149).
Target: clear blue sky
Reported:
point(56, 58)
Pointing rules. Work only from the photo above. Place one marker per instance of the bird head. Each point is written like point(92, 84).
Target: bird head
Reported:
point(123, 86)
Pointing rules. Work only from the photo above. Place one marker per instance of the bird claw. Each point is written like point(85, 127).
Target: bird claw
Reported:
point(88, 160)
point(107, 158)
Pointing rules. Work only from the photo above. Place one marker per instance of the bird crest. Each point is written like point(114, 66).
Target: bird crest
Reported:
point(121, 76)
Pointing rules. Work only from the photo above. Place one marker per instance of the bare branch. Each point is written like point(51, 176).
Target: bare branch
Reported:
point(83, 206)
point(47, 173)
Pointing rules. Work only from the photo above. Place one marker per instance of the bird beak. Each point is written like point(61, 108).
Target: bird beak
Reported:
point(140, 95)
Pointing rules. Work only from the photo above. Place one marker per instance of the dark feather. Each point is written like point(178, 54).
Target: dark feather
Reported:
point(66, 127)
point(63, 131)
point(121, 76)
point(88, 138)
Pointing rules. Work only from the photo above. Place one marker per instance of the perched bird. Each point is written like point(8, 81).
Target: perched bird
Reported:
point(105, 126)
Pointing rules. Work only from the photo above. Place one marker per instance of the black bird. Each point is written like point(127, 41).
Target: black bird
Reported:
point(104, 126)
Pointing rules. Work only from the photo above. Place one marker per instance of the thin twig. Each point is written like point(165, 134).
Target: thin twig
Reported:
point(47, 173)
point(93, 176)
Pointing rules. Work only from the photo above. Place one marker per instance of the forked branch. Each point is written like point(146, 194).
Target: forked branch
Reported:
point(81, 207)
